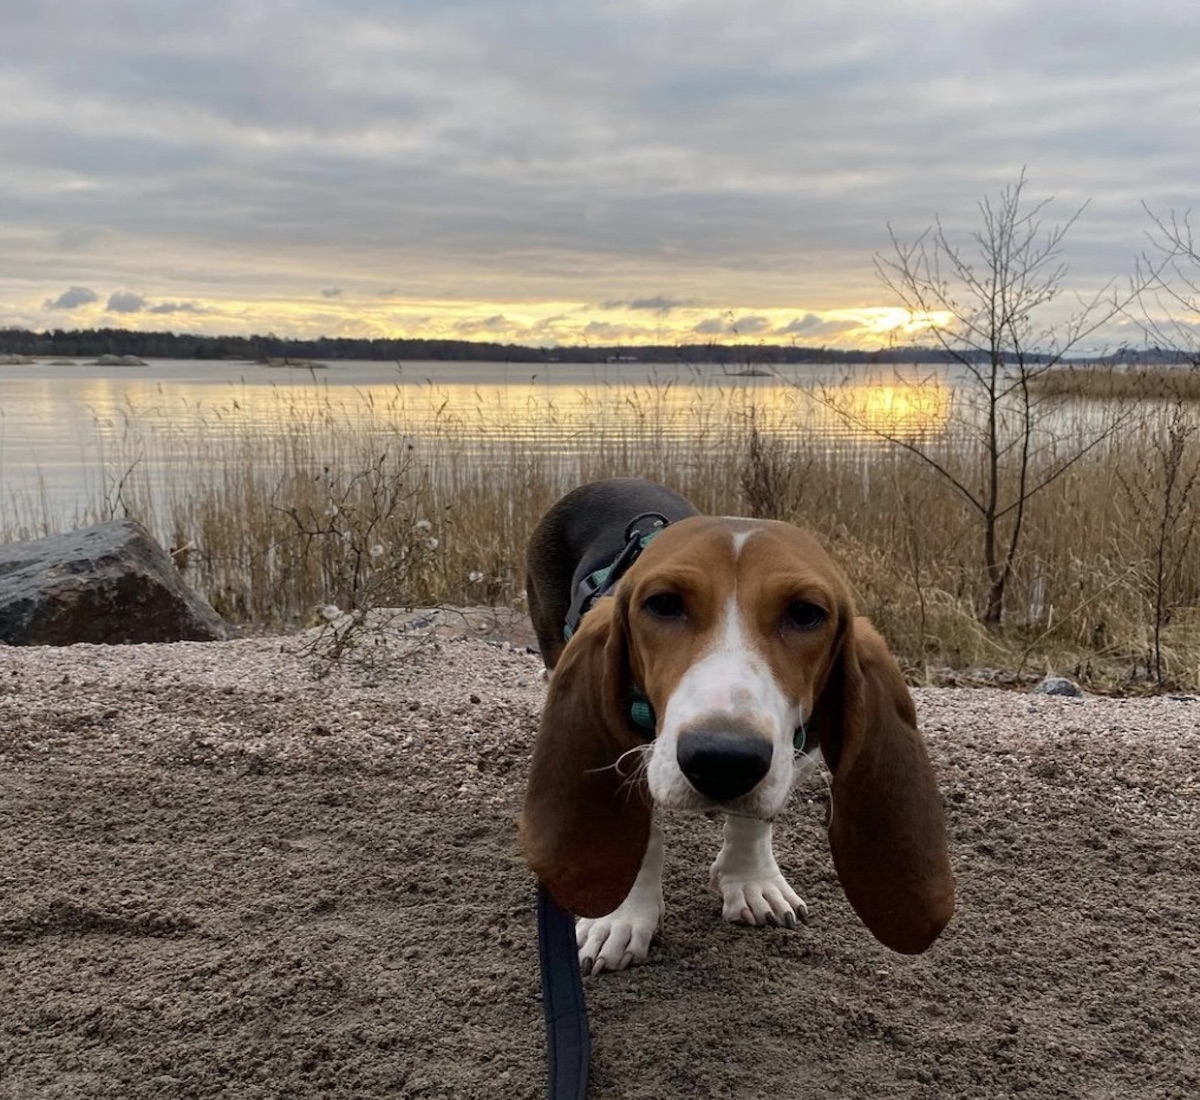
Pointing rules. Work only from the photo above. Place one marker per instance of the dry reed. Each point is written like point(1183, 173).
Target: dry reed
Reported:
point(373, 506)
point(1120, 383)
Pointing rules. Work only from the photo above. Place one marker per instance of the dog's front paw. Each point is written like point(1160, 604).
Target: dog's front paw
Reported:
point(746, 878)
point(761, 901)
point(619, 940)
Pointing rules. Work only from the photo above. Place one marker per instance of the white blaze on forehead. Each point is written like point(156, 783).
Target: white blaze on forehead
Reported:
point(740, 538)
point(733, 679)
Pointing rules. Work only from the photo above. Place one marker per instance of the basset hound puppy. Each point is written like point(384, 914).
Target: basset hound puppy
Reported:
point(724, 660)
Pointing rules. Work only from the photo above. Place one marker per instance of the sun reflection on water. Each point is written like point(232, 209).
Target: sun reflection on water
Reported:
point(64, 436)
point(898, 410)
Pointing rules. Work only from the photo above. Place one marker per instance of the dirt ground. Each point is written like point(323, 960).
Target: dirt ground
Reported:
point(220, 877)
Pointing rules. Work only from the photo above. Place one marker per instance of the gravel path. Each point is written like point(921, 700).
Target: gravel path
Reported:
point(220, 877)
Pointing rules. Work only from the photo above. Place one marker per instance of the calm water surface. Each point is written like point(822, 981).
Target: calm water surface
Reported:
point(66, 432)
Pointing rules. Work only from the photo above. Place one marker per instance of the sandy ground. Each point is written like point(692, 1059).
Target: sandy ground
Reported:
point(220, 877)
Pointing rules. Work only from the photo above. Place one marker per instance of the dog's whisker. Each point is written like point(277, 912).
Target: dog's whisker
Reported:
point(640, 751)
point(805, 764)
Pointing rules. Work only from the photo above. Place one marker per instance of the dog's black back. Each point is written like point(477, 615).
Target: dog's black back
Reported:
point(583, 532)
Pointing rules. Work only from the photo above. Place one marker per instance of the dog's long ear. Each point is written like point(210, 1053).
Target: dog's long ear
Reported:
point(587, 811)
point(886, 828)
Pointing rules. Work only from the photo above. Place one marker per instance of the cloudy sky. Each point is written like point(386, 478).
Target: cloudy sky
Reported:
point(561, 171)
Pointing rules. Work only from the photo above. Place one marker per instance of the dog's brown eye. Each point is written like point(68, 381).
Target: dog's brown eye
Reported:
point(665, 605)
point(803, 615)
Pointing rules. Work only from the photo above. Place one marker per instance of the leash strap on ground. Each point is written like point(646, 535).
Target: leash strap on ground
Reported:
point(568, 1047)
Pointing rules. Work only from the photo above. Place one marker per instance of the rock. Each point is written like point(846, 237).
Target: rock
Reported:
point(111, 583)
point(120, 361)
point(305, 364)
point(14, 360)
point(1058, 685)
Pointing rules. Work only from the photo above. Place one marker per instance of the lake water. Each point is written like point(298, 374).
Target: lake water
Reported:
point(68, 432)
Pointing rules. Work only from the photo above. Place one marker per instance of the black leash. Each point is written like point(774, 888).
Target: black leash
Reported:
point(568, 1046)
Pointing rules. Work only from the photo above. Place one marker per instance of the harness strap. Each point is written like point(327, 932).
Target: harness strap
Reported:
point(638, 535)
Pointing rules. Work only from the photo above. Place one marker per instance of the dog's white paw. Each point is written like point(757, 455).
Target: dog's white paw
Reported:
point(622, 938)
point(619, 940)
point(762, 899)
point(747, 879)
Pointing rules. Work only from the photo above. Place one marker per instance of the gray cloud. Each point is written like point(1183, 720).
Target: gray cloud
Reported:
point(712, 326)
point(609, 333)
point(73, 298)
point(750, 326)
point(763, 175)
point(174, 307)
point(124, 301)
point(496, 324)
point(729, 327)
point(658, 303)
point(331, 292)
point(810, 322)
point(812, 327)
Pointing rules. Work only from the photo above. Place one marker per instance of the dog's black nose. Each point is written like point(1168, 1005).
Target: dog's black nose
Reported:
point(721, 763)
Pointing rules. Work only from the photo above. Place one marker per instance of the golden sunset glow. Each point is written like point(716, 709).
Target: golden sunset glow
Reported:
point(534, 410)
point(548, 324)
point(901, 326)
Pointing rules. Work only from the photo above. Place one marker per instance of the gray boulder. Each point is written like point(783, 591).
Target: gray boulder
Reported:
point(111, 583)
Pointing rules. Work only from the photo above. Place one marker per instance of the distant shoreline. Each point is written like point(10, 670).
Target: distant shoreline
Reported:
point(85, 343)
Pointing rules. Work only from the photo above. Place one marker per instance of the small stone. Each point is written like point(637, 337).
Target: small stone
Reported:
point(1058, 685)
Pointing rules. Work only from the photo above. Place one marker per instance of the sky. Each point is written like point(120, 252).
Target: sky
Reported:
point(554, 172)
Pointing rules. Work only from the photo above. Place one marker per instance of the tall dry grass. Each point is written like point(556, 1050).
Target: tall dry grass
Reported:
point(362, 508)
point(1119, 382)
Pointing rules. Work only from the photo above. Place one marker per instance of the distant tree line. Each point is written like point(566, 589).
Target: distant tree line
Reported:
point(169, 345)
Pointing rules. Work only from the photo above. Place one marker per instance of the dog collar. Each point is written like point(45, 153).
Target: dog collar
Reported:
point(641, 713)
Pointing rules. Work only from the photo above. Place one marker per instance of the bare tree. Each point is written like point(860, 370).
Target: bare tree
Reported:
point(1170, 305)
point(1164, 500)
point(986, 299)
